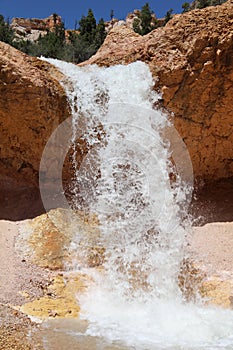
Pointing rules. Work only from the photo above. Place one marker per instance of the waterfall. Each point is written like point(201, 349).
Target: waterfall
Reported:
point(138, 186)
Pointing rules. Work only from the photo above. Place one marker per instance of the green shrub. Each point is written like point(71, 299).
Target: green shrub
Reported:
point(6, 33)
point(79, 46)
point(145, 22)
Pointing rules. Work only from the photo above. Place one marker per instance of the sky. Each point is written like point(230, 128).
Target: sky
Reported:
point(71, 10)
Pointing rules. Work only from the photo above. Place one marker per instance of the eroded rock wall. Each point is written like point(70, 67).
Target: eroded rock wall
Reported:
point(32, 28)
point(32, 105)
point(191, 59)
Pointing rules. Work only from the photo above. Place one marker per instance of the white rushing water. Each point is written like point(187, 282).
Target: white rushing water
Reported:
point(124, 178)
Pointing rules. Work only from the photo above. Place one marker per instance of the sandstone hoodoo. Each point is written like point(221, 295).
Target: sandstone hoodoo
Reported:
point(32, 28)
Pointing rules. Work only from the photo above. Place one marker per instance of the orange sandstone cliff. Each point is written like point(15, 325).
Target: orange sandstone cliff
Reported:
point(32, 105)
point(191, 59)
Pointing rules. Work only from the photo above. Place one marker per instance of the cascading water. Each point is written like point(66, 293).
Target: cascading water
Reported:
point(124, 177)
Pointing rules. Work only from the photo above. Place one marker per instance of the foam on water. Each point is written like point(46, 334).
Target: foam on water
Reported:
point(157, 324)
point(125, 178)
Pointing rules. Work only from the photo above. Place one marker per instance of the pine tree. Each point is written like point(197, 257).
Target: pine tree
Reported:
point(6, 33)
point(100, 34)
point(186, 7)
point(145, 22)
point(90, 38)
point(203, 3)
point(136, 25)
point(87, 26)
point(168, 16)
point(200, 4)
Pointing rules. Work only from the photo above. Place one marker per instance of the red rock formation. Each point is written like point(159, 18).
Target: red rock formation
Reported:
point(32, 28)
point(191, 60)
point(36, 23)
point(32, 104)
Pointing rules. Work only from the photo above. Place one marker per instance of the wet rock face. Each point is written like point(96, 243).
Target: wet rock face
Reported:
point(191, 60)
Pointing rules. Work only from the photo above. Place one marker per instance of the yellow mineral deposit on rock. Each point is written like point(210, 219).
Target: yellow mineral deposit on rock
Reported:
point(46, 240)
point(211, 247)
point(218, 292)
point(60, 299)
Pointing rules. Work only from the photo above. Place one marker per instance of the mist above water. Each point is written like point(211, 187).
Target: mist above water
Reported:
point(140, 188)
